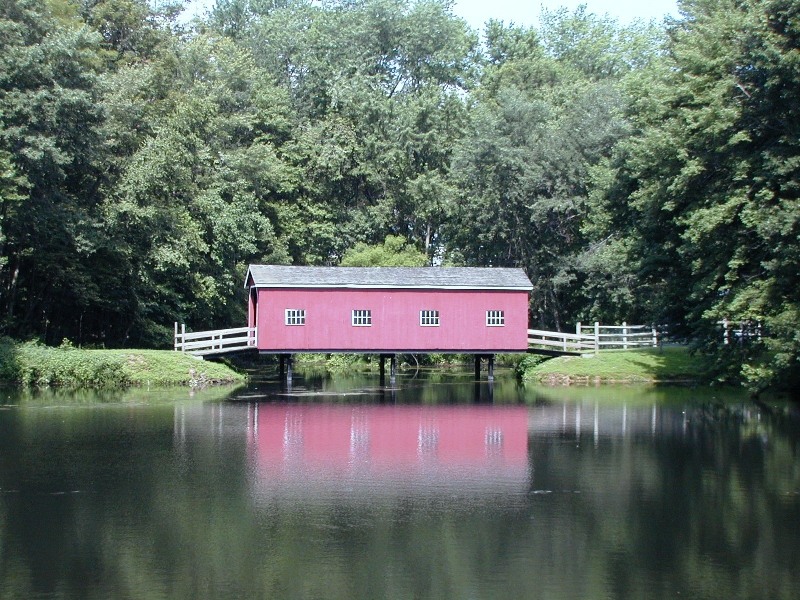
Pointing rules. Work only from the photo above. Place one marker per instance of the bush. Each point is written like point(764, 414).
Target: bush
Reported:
point(9, 360)
point(344, 363)
point(67, 366)
point(528, 361)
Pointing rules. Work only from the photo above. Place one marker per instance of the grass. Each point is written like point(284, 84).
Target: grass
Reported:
point(165, 367)
point(651, 365)
point(33, 364)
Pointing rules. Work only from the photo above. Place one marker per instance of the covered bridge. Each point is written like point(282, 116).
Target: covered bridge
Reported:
point(388, 310)
point(376, 310)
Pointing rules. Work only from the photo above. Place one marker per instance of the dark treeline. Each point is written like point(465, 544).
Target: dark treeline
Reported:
point(644, 172)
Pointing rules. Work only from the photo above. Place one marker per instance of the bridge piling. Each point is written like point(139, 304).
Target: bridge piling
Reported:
point(392, 368)
point(490, 366)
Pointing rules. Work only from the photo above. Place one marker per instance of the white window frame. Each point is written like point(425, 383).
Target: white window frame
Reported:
point(361, 317)
point(495, 318)
point(294, 317)
point(429, 318)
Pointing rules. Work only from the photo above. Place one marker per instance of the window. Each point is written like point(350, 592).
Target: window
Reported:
point(429, 318)
point(295, 316)
point(362, 318)
point(495, 318)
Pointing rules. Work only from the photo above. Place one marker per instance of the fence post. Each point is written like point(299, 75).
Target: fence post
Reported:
point(183, 337)
point(596, 337)
point(175, 338)
point(655, 337)
point(624, 335)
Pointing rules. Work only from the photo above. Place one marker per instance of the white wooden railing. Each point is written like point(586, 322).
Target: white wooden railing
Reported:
point(556, 340)
point(594, 337)
point(218, 341)
point(740, 331)
point(620, 336)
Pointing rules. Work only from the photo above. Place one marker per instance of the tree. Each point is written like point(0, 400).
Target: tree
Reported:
point(548, 115)
point(713, 174)
point(378, 87)
point(48, 141)
point(394, 252)
point(195, 202)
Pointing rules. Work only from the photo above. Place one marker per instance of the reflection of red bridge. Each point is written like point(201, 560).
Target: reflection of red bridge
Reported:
point(416, 448)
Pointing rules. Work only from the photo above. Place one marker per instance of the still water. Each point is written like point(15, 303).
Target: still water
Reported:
point(437, 489)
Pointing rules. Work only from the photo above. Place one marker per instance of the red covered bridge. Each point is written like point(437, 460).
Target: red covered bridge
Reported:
point(380, 310)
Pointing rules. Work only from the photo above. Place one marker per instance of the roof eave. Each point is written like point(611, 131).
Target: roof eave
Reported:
point(386, 287)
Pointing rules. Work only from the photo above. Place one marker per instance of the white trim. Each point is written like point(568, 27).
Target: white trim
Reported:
point(364, 317)
point(431, 315)
point(495, 318)
point(296, 315)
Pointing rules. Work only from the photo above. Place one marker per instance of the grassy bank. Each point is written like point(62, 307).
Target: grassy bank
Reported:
point(36, 365)
point(617, 366)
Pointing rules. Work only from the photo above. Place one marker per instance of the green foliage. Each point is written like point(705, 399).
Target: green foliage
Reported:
point(635, 172)
point(347, 363)
point(33, 364)
point(527, 364)
point(67, 367)
point(394, 252)
point(9, 359)
point(548, 117)
point(712, 179)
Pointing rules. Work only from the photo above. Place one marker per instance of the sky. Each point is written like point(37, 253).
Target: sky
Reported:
point(526, 12)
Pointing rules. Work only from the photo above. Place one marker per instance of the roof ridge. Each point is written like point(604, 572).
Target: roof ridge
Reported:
point(388, 277)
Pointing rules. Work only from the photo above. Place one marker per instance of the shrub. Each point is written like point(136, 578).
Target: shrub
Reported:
point(67, 366)
point(528, 361)
point(343, 363)
point(9, 360)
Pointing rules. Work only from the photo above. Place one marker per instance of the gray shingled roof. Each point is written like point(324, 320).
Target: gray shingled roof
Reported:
point(388, 277)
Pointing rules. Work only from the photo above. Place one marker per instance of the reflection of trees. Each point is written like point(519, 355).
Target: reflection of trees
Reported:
point(704, 506)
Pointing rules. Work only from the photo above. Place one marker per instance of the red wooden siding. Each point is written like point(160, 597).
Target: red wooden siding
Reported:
point(395, 320)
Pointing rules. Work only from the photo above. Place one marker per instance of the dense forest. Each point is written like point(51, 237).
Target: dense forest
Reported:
point(647, 172)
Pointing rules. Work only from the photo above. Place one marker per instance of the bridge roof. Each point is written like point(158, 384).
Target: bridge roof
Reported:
point(463, 278)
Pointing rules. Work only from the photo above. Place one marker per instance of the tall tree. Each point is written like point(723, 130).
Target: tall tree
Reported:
point(713, 178)
point(194, 202)
point(549, 111)
point(378, 88)
point(49, 61)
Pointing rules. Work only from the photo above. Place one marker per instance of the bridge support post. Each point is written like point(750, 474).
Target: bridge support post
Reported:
point(490, 363)
point(392, 368)
point(285, 364)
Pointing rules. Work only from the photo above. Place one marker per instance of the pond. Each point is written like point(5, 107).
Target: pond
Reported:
point(436, 488)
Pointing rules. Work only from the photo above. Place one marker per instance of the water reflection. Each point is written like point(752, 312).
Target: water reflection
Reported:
point(388, 450)
point(335, 492)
